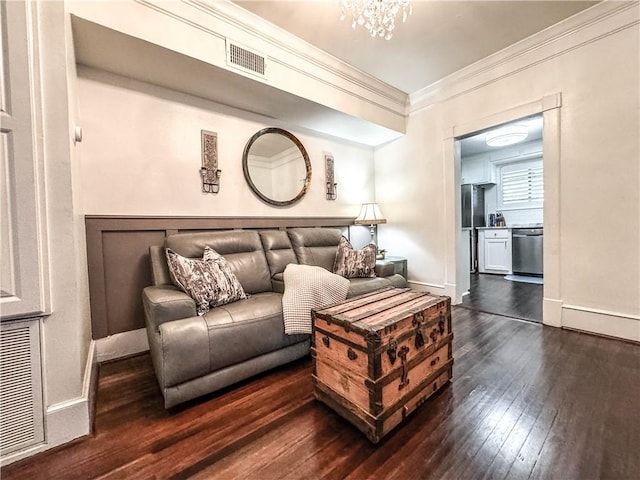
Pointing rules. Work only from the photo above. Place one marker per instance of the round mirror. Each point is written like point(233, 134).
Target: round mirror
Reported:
point(276, 166)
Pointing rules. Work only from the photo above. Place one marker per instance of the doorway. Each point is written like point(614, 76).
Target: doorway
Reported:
point(457, 271)
point(502, 195)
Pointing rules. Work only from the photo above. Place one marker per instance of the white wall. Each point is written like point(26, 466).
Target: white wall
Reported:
point(141, 155)
point(596, 70)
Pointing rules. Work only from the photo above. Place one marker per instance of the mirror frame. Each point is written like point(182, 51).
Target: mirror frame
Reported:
point(247, 176)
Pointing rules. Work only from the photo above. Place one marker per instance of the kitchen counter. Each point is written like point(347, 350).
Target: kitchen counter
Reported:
point(529, 225)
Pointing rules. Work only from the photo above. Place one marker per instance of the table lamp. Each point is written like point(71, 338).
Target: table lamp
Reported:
point(370, 215)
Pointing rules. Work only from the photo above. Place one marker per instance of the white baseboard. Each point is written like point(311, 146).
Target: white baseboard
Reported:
point(68, 420)
point(122, 345)
point(420, 286)
point(448, 289)
point(552, 312)
point(611, 324)
point(426, 287)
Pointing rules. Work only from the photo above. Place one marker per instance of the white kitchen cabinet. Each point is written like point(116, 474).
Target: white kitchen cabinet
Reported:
point(494, 250)
point(477, 170)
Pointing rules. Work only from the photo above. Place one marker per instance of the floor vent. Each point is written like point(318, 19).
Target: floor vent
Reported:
point(21, 413)
point(246, 60)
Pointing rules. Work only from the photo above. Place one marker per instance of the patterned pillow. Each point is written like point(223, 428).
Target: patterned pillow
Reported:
point(351, 263)
point(209, 281)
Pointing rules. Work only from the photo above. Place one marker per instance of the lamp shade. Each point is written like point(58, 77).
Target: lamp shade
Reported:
point(370, 215)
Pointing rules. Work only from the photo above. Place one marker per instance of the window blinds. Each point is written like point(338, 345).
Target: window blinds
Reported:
point(522, 184)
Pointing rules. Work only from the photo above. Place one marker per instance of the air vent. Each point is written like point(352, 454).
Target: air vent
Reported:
point(247, 60)
point(21, 413)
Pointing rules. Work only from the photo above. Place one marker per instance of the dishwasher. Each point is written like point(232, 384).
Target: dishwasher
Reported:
point(527, 251)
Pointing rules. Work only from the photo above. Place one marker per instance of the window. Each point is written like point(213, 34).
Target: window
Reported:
point(521, 185)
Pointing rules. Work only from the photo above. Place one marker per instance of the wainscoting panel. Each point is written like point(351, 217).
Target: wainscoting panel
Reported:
point(126, 272)
point(118, 258)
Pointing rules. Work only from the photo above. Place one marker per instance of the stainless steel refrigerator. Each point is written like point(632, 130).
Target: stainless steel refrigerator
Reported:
point(473, 216)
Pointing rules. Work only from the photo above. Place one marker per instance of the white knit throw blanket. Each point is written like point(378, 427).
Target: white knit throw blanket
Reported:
point(307, 287)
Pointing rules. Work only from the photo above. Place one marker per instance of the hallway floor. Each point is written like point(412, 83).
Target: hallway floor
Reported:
point(493, 294)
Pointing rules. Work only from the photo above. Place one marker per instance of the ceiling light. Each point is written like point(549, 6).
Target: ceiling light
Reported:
point(509, 135)
point(377, 16)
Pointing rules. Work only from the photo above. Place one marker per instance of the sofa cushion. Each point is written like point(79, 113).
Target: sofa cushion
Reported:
point(277, 249)
point(360, 286)
point(315, 246)
point(242, 249)
point(246, 329)
point(352, 263)
point(209, 281)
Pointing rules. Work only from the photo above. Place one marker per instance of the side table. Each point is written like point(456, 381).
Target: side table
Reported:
point(399, 264)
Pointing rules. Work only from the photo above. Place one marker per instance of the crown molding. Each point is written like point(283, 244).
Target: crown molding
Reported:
point(598, 22)
point(299, 55)
point(181, 45)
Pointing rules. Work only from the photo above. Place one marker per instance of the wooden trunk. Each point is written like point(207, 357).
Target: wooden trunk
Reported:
point(379, 356)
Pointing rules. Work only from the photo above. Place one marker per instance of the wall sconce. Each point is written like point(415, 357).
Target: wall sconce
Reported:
point(332, 187)
point(77, 134)
point(370, 215)
point(209, 171)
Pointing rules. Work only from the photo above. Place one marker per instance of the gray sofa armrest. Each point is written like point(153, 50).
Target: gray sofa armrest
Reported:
point(164, 303)
point(185, 350)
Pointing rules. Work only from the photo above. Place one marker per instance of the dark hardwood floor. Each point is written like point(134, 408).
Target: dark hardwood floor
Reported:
point(493, 294)
point(526, 401)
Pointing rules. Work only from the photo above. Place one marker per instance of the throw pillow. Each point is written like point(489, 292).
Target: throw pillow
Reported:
point(209, 281)
point(351, 263)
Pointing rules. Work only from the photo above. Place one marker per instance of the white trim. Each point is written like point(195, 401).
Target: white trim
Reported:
point(424, 286)
point(601, 20)
point(269, 37)
point(88, 370)
point(267, 32)
point(548, 105)
point(552, 312)
point(548, 102)
point(446, 289)
point(603, 322)
point(591, 320)
point(602, 312)
point(69, 420)
point(121, 345)
point(450, 291)
point(65, 421)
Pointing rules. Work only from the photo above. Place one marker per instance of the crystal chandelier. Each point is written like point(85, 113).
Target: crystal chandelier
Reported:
point(377, 16)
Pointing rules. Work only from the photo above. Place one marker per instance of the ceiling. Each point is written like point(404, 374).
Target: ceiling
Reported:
point(439, 38)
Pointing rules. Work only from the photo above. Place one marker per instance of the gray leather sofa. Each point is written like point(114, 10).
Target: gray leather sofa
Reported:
point(193, 355)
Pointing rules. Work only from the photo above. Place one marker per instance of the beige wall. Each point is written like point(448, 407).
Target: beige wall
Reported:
point(141, 155)
point(599, 204)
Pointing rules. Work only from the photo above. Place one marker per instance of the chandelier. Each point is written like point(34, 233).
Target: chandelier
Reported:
point(377, 16)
